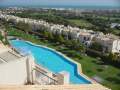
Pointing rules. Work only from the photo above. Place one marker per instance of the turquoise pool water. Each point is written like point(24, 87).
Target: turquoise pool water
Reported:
point(51, 60)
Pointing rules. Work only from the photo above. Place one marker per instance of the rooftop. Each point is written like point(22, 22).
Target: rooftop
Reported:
point(17, 72)
point(8, 56)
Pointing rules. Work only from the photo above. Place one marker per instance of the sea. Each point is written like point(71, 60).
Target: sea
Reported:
point(62, 7)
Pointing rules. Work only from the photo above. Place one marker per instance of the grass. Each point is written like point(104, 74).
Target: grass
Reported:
point(80, 23)
point(115, 31)
point(90, 66)
point(106, 17)
point(94, 67)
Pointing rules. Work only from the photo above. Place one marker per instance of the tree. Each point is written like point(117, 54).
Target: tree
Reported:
point(46, 34)
point(119, 34)
point(96, 46)
point(24, 26)
point(68, 43)
point(82, 48)
point(50, 36)
point(1, 37)
point(78, 46)
point(113, 56)
point(60, 39)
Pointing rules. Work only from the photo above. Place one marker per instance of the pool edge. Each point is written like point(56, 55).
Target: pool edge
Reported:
point(79, 67)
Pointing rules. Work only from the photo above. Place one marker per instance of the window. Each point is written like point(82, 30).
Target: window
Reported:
point(88, 39)
point(84, 38)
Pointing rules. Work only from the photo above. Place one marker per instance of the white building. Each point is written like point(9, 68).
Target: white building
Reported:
point(86, 38)
point(109, 43)
point(82, 35)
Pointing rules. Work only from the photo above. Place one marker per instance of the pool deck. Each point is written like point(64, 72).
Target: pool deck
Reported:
point(7, 54)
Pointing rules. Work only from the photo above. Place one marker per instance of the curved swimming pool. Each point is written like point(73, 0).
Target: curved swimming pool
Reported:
point(51, 60)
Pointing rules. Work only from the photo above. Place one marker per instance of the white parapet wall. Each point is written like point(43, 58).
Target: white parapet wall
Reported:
point(13, 73)
point(65, 77)
point(17, 72)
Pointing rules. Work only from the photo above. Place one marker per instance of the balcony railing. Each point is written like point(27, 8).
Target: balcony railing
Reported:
point(43, 79)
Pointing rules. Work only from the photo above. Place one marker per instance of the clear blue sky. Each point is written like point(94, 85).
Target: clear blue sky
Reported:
point(61, 2)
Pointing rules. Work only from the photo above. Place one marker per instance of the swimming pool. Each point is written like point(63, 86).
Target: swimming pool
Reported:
point(51, 60)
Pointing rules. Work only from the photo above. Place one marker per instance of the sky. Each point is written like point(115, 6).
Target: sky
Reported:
point(61, 2)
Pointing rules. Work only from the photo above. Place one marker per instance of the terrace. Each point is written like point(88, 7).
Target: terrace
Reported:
point(20, 70)
point(29, 72)
point(9, 56)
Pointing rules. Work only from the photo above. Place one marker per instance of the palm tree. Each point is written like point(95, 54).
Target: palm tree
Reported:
point(60, 39)
point(24, 26)
point(46, 34)
point(78, 46)
point(113, 56)
point(50, 36)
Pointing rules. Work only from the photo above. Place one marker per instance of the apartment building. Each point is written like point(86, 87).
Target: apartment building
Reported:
point(109, 42)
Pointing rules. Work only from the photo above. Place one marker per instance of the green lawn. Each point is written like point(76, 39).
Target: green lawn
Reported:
point(116, 31)
point(90, 66)
point(109, 74)
point(106, 18)
point(81, 23)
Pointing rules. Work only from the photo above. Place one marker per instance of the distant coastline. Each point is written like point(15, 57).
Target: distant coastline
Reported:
point(62, 7)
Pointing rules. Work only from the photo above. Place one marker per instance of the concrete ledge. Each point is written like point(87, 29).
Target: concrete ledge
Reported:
point(54, 87)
